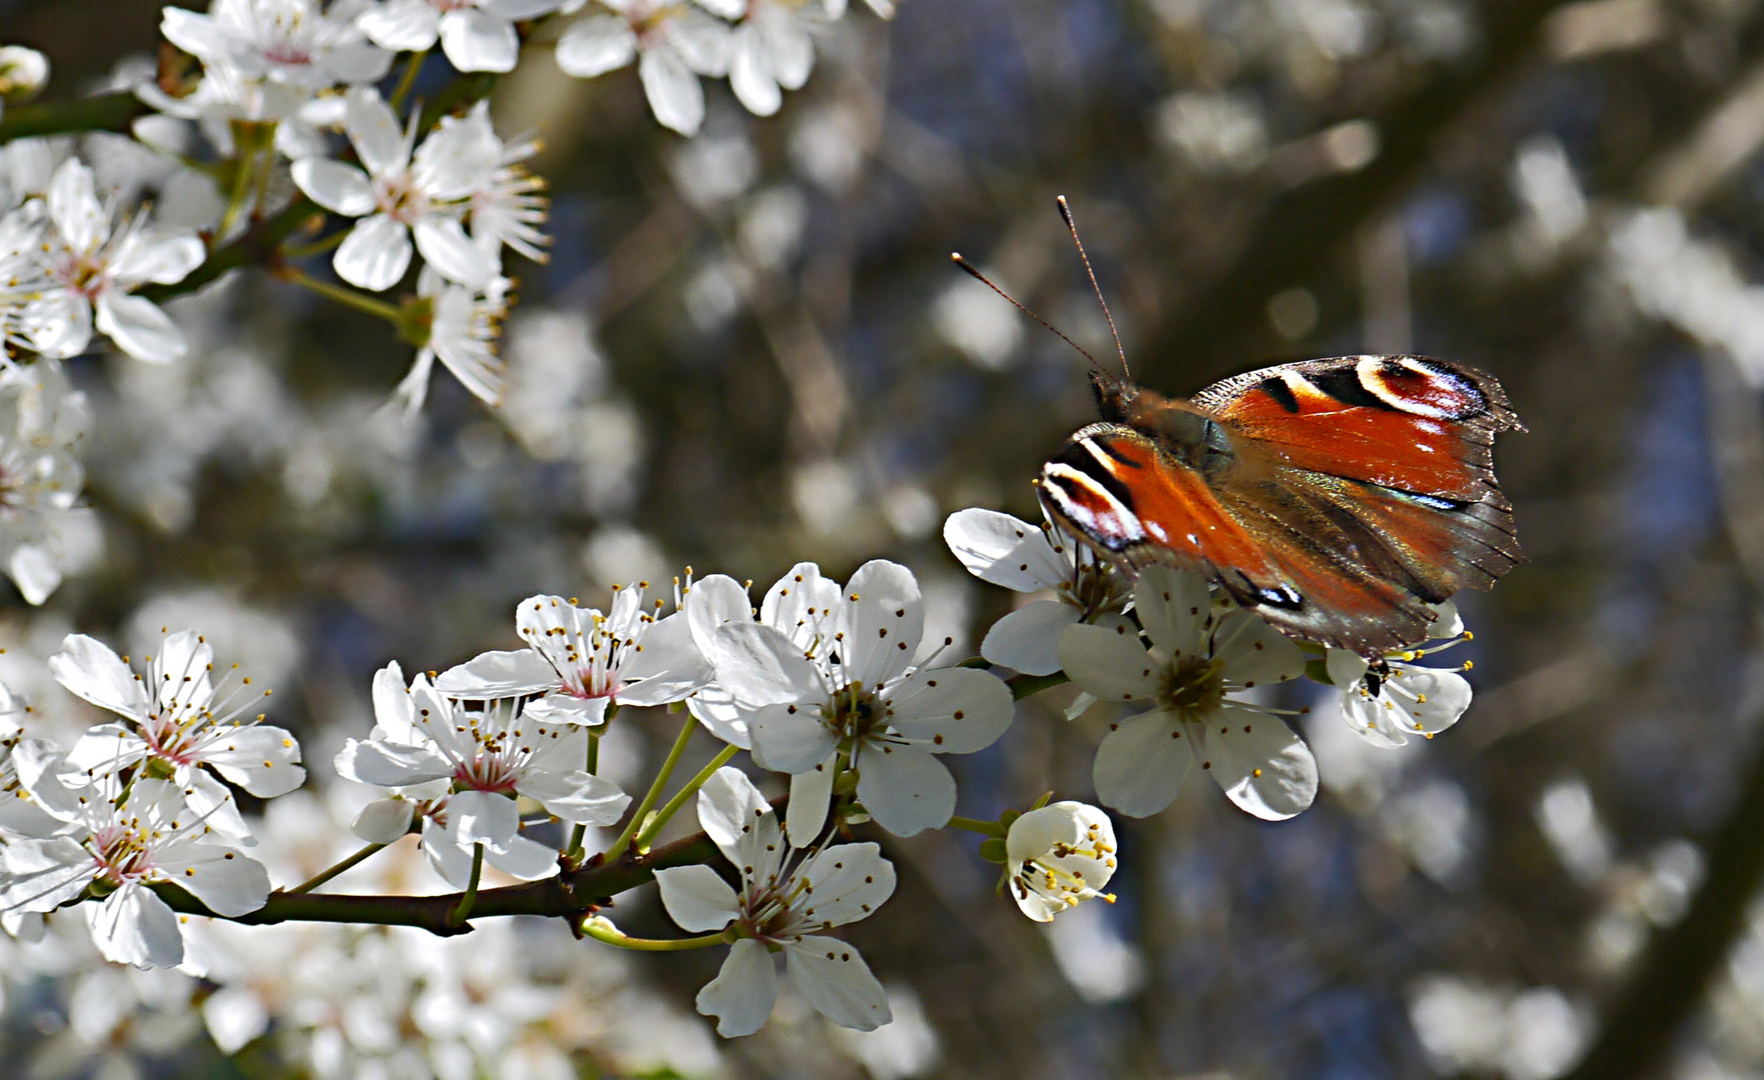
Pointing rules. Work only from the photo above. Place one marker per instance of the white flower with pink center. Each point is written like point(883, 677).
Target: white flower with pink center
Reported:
point(92, 264)
point(180, 723)
point(786, 904)
point(116, 852)
point(582, 661)
point(469, 765)
point(292, 43)
point(405, 191)
point(673, 43)
point(476, 35)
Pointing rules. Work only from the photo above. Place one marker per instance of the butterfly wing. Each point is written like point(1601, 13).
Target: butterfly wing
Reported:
point(1337, 497)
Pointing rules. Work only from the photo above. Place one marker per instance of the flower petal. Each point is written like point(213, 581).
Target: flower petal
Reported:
point(887, 620)
point(743, 993)
point(229, 882)
point(750, 76)
point(133, 926)
point(1005, 550)
point(697, 898)
point(1175, 609)
point(403, 25)
point(790, 738)
point(951, 710)
point(393, 765)
point(1107, 659)
point(499, 674)
point(383, 821)
point(849, 882)
point(740, 822)
point(476, 40)
point(374, 132)
point(335, 186)
point(138, 327)
point(522, 858)
point(1254, 653)
point(674, 93)
point(575, 796)
point(1028, 639)
point(668, 667)
point(833, 977)
point(905, 788)
point(375, 254)
point(811, 793)
point(262, 759)
point(760, 666)
point(446, 247)
point(596, 45)
point(33, 569)
point(1259, 762)
point(75, 209)
point(90, 670)
point(482, 817)
point(165, 258)
point(1140, 765)
point(805, 606)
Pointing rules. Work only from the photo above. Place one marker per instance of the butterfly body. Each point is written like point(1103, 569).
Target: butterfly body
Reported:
point(1338, 498)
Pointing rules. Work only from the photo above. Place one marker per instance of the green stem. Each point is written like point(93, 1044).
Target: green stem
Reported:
point(408, 79)
point(325, 875)
point(672, 806)
point(632, 827)
point(317, 247)
point(975, 825)
point(573, 853)
point(600, 929)
point(244, 164)
point(459, 913)
point(348, 297)
point(106, 112)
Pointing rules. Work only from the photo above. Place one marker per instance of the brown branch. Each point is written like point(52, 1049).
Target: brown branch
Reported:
point(561, 896)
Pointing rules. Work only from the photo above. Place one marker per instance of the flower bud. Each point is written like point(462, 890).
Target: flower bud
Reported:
point(23, 72)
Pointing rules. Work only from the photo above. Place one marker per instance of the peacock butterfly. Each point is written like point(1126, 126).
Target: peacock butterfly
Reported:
point(1337, 498)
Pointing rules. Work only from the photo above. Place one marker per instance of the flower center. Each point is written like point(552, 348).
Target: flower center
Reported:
point(855, 715)
point(1192, 686)
point(400, 197)
point(82, 274)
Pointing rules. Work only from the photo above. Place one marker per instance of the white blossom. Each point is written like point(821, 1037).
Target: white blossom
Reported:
point(465, 768)
point(785, 904)
point(41, 418)
point(825, 680)
point(93, 264)
point(1195, 660)
point(402, 189)
point(463, 329)
point(116, 852)
point(476, 35)
point(770, 52)
point(180, 723)
point(1058, 856)
point(673, 43)
point(23, 73)
point(1398, 698)
point(291, 43)
point(582, 661)
point(1016, 555)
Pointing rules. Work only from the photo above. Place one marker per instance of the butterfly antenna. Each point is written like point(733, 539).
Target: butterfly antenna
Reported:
point(956, 257)
point(1066, 212)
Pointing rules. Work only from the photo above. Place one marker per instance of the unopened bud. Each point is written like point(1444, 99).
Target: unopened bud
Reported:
point(23, 72)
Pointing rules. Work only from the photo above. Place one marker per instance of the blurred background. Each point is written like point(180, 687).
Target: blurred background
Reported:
point(749, 348)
